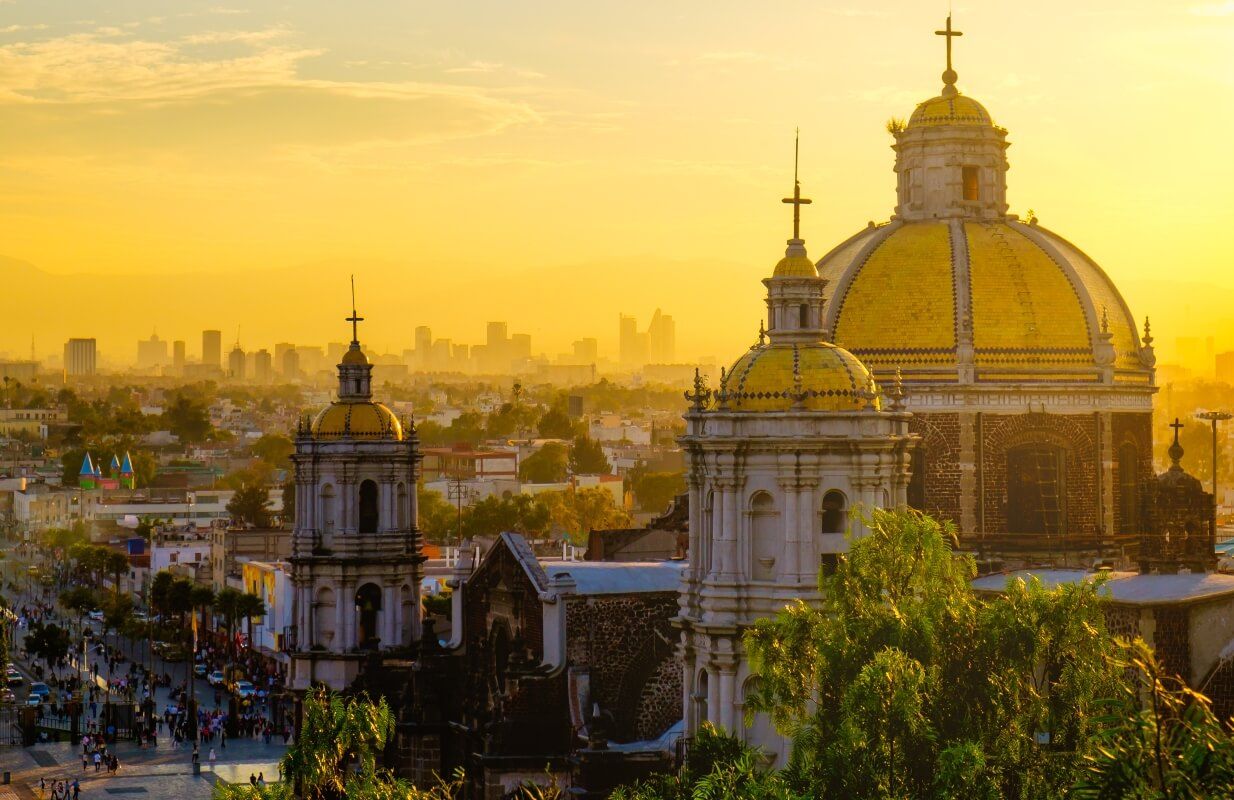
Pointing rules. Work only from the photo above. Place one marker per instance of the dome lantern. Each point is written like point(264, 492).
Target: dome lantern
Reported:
point(950, 157)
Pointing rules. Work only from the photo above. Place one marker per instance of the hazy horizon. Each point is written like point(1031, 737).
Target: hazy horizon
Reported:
point(562, 164)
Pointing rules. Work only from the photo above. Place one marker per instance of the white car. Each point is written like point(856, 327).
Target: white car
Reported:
point(245, 690)
point(34, 700)
point(216, 678)
point(96, 615)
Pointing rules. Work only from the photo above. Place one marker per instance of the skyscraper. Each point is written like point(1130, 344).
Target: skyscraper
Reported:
point(80, 357)
point(263, 367)
point(627, 333)
point(151, 352)
point(662, 339)
point(177, 356)
point(235, 363)
point(424, 347)
point(212, 348)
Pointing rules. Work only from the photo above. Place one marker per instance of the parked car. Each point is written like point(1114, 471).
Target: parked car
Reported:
point(216, 678)
point(12, 677)
point(200, 669)
point(96, 615)
point(34, 700)
point(244, 690)
point(42, 690)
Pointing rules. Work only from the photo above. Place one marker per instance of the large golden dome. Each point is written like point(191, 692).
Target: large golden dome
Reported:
point(954, 109)
point(1028, 304)
point(814, 376)
point(346, 419)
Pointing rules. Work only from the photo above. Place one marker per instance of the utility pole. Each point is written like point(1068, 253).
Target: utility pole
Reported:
point(1214, 417)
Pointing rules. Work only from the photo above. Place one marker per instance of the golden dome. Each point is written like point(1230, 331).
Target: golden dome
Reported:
point(771, 377)
point(955, 109)
point(356, 420)
point(355, 355)
point(795, 266)
point(1037, 308)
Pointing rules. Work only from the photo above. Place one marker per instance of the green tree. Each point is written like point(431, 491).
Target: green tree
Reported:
point(117, 611)
point(578, 512)
point(494, 515)
point(438, 518)
point(115, 564)
point(275, 449)
point(556, 424)
point(655, 490)
point(188, 418)
point(1159, 739)
point(249, 607)
point(335, 756)
point(227, 606)
point(902, 683)
point(587, 458)
point(546, 465)
point(49, 642)
point(250, 505)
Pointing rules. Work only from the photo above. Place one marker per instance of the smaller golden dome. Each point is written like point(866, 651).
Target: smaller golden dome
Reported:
point(356, 420)
point(813, 377)
point(796, 266)
point(955, 109)
point(355, 355)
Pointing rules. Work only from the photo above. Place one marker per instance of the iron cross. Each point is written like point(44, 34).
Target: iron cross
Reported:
point(950, 34)
point(354, 319)
point(796, 200)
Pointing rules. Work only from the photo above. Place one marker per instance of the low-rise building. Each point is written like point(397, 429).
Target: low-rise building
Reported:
point(229, 547)
point(269, 580)
point(30, 422)
point(465, 462)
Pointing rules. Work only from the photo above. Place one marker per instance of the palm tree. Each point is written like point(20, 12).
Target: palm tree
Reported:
point(251, 606)
point(227, 604)
point(116, 564)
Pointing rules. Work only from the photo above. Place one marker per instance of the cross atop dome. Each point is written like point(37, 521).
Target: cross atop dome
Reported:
point(949, 75)
point(354, 319)
point(797, 201)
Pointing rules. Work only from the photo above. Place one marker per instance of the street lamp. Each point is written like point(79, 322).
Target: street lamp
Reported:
point(1214, 417)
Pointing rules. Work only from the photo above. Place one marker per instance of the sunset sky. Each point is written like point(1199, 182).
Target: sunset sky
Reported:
point(180, 165)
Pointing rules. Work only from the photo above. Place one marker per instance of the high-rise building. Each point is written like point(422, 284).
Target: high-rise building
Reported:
point(235, 363)
point(519, 349)
point(662, 339)
point(263, 366)
point(311, 359)
point(25, 371)
point(177, 356)
point(212, 348)
point(280, 354)
point(460, 357)
point(586, 351)
point(290, 364)
point(439, 356)
point(627, 342)
point(80, 357)
point(424, 346)
point(334, 352)
point(151, 352)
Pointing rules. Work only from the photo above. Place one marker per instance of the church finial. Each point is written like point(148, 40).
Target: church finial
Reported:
point(796, 200)
point(1148, 334)
point(1176, 450)
point(354, 319)
point(949, 76)
point(762, 334)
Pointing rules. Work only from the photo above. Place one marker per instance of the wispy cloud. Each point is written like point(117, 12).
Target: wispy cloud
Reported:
point(492, 68)
point(1224, 9)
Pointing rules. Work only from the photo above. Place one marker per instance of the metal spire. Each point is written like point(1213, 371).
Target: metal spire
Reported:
point(797, 201)
point(354, 319)
point(949, 76)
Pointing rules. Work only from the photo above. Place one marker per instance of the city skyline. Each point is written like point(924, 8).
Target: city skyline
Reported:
point(389, 190)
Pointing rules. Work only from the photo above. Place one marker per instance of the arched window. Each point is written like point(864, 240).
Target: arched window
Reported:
point(972, 189)
point(368, 606)
point(368, 507)
point(1129, 489)
point(1036, 489)
point(803, 316)
point(764, 537)
point(327, 508)
point(916, 481)
point(834, 505)
point(700, 697)
point(324, 616)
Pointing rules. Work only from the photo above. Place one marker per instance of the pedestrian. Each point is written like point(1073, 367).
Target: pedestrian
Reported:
point(98, 760)
point(252, 779)
point(212, 758)
point(76, 790)
point(261, 779)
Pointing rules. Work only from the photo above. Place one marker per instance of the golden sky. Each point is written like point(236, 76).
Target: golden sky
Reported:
point(553, 163)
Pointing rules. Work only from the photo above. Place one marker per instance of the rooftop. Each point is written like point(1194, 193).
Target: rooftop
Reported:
point(1131, 588)
point(620, 577)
